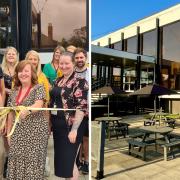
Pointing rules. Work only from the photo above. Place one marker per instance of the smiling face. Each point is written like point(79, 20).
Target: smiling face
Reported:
point(57, 55)
point(80, 60)
point(34, 60)
point(11, 56)
point(66, 65)
point(25, 75)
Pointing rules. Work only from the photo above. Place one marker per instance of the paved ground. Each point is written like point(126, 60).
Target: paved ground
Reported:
point(120, 165)
point(51, 156)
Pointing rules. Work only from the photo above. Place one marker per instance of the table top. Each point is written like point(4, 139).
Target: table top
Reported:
point(158, 114)
point(106, 118)
point(157, 129)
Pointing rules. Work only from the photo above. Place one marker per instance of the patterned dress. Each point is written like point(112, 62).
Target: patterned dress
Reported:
point(28, 148)
point(71, 95)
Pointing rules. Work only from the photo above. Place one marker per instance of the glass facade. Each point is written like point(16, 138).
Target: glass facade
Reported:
point(5, 24)
point(132, 44)
point(61, 23)
point(170, 70)
point(147, 74)
point(118, 45)
point(129, 78)
point(149, 43)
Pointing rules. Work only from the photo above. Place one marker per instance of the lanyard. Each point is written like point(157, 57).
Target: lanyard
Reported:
point(18, 102)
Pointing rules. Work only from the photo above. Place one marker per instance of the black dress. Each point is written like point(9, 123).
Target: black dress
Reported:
point(8, 84)
point(64, 151)
point(1, 73)
point(8, 81)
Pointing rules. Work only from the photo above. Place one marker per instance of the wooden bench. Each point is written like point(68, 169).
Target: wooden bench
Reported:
point(116, 130)
point(137, 135)
point(141, 145)
point(170, 146)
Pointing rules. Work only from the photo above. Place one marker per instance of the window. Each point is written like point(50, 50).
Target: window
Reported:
point(149, 43)
point(5, 28)
point(118, 45)
point(58, 22)
point(170, 71)
point(132, 45)
point(171, 42)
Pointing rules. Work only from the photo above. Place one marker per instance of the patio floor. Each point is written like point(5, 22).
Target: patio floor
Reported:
point(120, 165)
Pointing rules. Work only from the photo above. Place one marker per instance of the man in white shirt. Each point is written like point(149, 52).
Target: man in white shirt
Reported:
point(80, 58)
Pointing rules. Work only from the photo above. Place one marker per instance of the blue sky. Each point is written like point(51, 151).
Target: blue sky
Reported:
point(110, 15)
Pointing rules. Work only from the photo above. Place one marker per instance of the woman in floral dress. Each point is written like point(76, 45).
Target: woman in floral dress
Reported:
point(69, 92)
point(28, 143)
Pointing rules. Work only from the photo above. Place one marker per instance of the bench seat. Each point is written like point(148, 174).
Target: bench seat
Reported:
point(170, 146)
point(137, 151)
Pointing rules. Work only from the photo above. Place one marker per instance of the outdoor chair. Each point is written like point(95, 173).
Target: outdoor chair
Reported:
point(116, 130)
point(170, 122)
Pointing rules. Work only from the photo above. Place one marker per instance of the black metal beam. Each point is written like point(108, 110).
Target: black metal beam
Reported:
point(158, 53)
point(109, 42)
point(39, 29)
point(138, 65)
point(25, 26)
point(138, 40)
point(123, 42)
point(14, 24)
point(138, 73)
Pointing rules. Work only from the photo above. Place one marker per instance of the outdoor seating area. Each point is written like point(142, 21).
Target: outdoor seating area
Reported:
point(141, 146)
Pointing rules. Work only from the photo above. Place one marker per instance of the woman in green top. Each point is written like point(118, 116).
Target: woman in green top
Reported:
point(51, 70)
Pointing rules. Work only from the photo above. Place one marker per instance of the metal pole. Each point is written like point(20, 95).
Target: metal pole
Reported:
point(100, 164)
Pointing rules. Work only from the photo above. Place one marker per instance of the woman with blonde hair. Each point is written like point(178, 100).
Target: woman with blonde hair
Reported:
point(33, 56)
point(9, 63)
point(51, 70)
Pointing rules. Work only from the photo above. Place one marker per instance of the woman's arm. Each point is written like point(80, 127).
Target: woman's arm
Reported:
point(80, 100)
point(37, 104)
point(9, 124)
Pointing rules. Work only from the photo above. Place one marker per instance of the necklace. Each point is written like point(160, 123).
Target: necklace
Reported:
point(18, 102)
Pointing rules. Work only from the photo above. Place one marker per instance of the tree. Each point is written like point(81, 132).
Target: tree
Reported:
point(78, 37)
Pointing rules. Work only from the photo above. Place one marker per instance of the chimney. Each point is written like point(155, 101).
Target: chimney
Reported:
point(50, 31)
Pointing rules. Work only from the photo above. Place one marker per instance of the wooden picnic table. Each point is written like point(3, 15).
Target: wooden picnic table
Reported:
point(158, 116)
point(157, 129)
point(114, 125)
point(163, 130)
point(146, 141)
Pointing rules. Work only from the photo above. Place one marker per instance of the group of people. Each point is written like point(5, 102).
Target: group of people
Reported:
point(62, 86)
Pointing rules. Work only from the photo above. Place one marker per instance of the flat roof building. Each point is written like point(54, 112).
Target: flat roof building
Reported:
point(145, 52)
